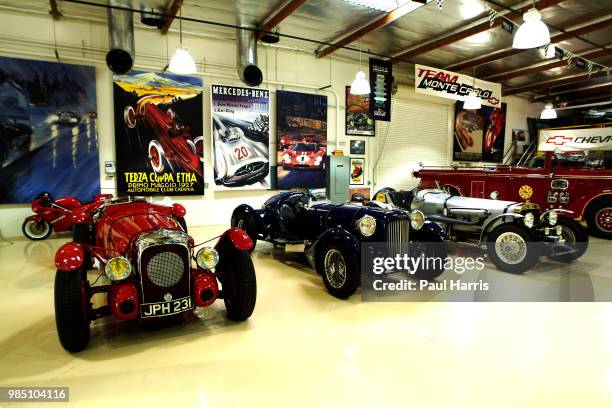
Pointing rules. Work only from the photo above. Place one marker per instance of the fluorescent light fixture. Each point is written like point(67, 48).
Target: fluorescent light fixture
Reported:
point(382, 5)
point(360, 85)
point(472, 101)
point(182, 62)
point(533, 33)
point(549, 112)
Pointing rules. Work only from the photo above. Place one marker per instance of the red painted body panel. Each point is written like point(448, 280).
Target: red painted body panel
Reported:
point(584, 185)
point(120, 293)
point(205, 282)
point(238, 238)
point(69, 257)
point(59, 212)
point(121, 224)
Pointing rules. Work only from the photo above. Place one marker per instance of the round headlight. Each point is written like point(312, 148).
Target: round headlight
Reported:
point(529, 220)
point(118, 268)
point(207, 258)
point(417, 219)
point(367, 225)
point(553, 217)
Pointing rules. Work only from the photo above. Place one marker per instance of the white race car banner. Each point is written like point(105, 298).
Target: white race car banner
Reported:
point(452, 85)
point(567, 140)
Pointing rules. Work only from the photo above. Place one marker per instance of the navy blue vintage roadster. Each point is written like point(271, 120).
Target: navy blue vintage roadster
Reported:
point(332, 234)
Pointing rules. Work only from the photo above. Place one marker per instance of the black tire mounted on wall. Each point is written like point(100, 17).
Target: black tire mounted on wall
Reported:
point(72, 309)
point(240, 219)
point(532, 254)
point(591, 217)
point(575, 235)
point(239, 284)
point(340, 288)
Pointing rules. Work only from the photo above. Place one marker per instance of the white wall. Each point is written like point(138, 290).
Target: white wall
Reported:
point(31, 36)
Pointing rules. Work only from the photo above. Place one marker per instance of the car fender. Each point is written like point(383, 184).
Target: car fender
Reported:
point(70, 257)
point(337, 235)
point(494, 223)
point(255, 226)
point(429, 232)
point(35, 218)
point(236, 238)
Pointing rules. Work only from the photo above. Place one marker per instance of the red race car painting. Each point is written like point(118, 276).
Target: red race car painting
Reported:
point(309, 156)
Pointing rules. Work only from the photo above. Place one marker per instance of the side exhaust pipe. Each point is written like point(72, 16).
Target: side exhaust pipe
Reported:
point(246, 57)
point(120, 57)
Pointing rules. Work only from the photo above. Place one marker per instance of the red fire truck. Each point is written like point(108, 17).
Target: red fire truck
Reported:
point(560, 180)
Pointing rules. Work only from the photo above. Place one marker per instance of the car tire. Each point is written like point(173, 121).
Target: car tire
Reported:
point(156, 156)
point(72, 309)
point(129, 117)
point(240, 219)
point(238, 281)
point(598, 218)
point(429, 250)
point(330, 263)
point(182, 223)
point(512, 233)
point(576, 235)
point(44, 229)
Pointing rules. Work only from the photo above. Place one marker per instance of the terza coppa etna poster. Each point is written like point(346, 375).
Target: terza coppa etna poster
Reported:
point(48, 139)
point(158, 134)
point(479, 133)
point(302, 140)
point(240, 137)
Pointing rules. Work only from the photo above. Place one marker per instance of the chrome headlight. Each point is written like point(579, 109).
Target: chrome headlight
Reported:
point(417, 219)
point(553, 217)
point(207, 258)
point(367, 225)
point(529, 220)
point(118, 268)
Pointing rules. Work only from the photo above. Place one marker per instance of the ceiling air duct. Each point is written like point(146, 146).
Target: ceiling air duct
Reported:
point(120, 57)
point(246, 56)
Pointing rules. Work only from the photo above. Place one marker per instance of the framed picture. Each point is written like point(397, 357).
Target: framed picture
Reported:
point(360, 194)
point(358, 146)
point(357, 172)
point(358, 120)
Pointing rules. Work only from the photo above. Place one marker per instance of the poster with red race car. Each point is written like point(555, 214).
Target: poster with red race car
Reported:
point(479, 134)
point(302, 140)
point(158, 134)
point(240, 137)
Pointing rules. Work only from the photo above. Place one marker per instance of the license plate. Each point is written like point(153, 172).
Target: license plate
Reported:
point(166, 308)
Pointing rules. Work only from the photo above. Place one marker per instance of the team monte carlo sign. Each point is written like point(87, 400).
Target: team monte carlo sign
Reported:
point(452, 85)
point(567, 140)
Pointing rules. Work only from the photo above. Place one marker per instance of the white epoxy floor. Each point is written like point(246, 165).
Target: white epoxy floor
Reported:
point(303, 347)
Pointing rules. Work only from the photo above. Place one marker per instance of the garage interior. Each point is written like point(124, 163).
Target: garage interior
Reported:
point(431, 350)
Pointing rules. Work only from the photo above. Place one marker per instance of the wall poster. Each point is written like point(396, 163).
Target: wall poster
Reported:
point(381, 85)
point(158, 134)
point(48, 139)
point(479, 134)
point(357, 171)
point(358, 119)
point(302, 140)
point(240, 137)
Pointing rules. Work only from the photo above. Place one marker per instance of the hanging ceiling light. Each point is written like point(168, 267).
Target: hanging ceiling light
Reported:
point(182, 62)
point(360, 85)
point(533, 33)
point(549, 112)
point(472, 101)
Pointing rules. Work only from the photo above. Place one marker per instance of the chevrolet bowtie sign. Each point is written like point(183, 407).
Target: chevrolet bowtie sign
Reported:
point(452, 85)
point(569, 140)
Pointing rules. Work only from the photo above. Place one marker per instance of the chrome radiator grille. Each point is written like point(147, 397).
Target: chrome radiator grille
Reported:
point(397, 237)
point(165, 269)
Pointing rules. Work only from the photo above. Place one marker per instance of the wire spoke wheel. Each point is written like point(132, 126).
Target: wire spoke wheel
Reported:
point(511, 248)
point(335, 268)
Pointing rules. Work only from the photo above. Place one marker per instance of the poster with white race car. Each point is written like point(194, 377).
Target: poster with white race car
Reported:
point(240, 137)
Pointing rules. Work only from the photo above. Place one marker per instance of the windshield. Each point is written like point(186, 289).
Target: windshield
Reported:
point(305, 147)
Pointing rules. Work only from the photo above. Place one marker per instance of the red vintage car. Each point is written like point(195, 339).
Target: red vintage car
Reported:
point(56, 215)
point(308, 156)
point(172, 145)
point(586, 191)
point(145, 252)
point(290, 139)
